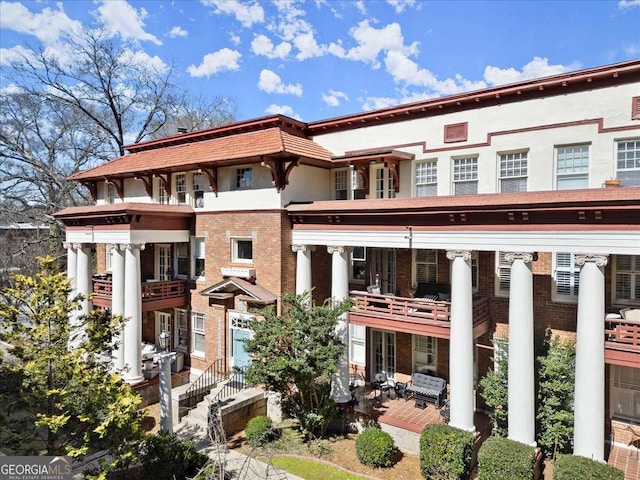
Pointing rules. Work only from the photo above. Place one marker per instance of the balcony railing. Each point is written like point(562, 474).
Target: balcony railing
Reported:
point(415, 315)
point(622, 341)
point(155, 294)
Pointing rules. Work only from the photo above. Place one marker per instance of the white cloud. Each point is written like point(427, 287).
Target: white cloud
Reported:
point(247, 14)
point(225, 59)
point(632, 50)
point(376, 103)
point(404, 70)
point(274, 109)
point(11, 89)
point(293, 28)
point(178, 31)
point(143, 59)
point(15, 54)
point(372, 41)
point(622, 4)
point(360, 6)
point(536, 68)
point(307, 46)
point(400, 5)
point(334, 97)
point(47, 25)
point(235, 39)
point(270, 82)
point(262, 45)
point(121, 18)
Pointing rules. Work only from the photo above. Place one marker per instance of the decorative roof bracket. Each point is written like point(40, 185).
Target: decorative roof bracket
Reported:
point(118, 183)
point(279, 173)
point(212, 175)
point(147, 179)
point(93, 189)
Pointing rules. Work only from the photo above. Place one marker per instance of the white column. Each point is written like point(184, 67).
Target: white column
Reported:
point(133, 315)
point(461, 343)
point(522, 425)
point(339, 291)
point(83, 286)
point(117, 301)
point(72, 268)
point(588, 428)
point(303, 268)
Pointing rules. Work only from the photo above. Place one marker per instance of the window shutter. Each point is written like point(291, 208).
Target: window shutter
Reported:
point(456, 132)
point(635, 108)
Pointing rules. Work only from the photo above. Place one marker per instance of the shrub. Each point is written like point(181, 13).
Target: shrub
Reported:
point(445, 452)
point(375, 448)
point(503, 459)
point(259, 430)
point(165, 456)
point(570, 467)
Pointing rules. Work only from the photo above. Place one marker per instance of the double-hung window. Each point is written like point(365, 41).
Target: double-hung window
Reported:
point(566, 277)
point(198, 256)
point(340, 184)
point(572, 167)
point(628, 162)
point(425, 354)
point(163, 198)
point(358, 263)
point(513, 172)
point(198, 184)
point(357, 343)
point(626, 276)
point(181, 188)
point(182, 257)
point(198, 334)
point(426, 178)
point(465, 175)
point(181, 329)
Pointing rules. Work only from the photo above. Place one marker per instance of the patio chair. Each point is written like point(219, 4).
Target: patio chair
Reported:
point(384, 384)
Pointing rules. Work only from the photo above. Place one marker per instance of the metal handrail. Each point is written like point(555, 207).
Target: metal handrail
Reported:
point(202, 386)
point(236, 383)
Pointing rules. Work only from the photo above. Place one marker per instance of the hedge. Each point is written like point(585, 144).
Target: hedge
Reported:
point(259, 430)
point(572, 467)
point(375, 448)
point(503, 459)
point(445, 452)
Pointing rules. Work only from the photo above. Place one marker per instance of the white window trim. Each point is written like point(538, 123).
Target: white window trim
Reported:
point(465, 180)
point(176, 258)
point(432, 161)
point(525, 177)
point(358, 259)
point(415, 263)
point(434, 351)
point(357, 344)
point(234, 250)
point(194, 256)
point(181, 323)
point(559, 176)
point(634, 273)
point(195, 331)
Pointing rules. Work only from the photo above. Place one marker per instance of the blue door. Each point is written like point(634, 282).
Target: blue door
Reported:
point(240, 356)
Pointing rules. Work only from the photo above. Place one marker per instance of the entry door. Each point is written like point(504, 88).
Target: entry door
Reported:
point(240, 332)
point(384, 269)
point(383, 352)
point(163, 262)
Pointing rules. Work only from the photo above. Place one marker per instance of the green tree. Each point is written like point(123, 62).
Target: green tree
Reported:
point(555, 396)
point(59, 401)
point(495, 387)
point(295, 354)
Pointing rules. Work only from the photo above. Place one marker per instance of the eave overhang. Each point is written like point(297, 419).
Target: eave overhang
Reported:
point(606, 208)
point(130, 215)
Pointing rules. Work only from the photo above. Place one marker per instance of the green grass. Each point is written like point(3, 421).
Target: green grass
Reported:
point(310, 470)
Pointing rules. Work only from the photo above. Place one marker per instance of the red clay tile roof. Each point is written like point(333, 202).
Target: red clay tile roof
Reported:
point(221, 151)
point(621, 195)
point(126, 208)
point(254, 291)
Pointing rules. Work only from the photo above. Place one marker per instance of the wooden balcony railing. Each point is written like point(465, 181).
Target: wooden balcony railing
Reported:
point(155, 294)
point(622, 341)
point(415, 315)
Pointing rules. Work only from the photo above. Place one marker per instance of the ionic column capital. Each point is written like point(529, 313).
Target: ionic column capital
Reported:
point(526, 257)
point(72, 245)
point(303, 248)
point(340, 249)
point(599, 260)
point(453, 254)
point(133, 246)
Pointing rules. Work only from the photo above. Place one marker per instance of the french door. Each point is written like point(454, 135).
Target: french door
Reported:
point(383, 352)
point(163, 262)
point(163, 324)
point(383, 269)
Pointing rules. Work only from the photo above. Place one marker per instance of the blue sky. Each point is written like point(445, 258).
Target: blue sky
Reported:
point(320, 59)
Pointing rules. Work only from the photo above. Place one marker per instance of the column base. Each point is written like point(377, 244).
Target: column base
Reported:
point(133, 380)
